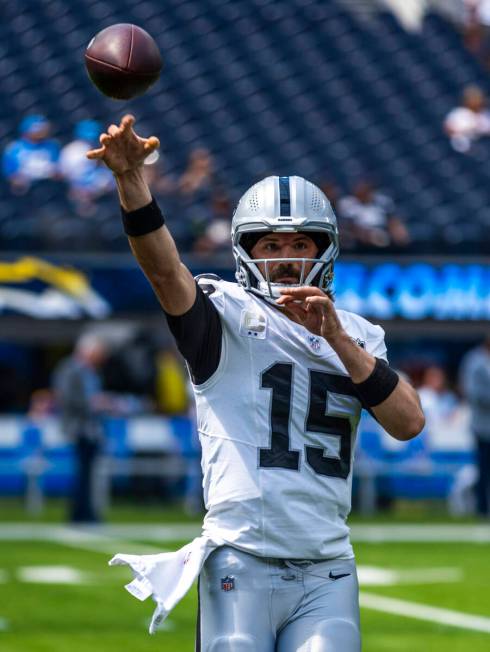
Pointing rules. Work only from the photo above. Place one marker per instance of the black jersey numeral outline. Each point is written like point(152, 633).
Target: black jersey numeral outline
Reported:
point(279, 379)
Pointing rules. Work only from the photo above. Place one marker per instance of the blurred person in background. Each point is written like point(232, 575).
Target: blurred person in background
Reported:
point(347, 232)
point(477, 12)
point(438, 401)
point(78, 390)
point(369, 217)
point(475, 384)
point(32, 157)
point(216, 237)
point(160, 182)
point(198, 176)
point(467, 123)
point(41, 404)
point(476, 29)
point(130, 370)
point(87, 180)
point(196, 186)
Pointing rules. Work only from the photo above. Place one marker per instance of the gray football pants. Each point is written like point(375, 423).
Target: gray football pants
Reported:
point(254, 604)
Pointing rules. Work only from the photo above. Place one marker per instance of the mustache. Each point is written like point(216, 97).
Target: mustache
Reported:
point(286, 269)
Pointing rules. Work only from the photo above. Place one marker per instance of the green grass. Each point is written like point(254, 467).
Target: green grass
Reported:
point(124, 511)
point(101, 616)
point(55, 511)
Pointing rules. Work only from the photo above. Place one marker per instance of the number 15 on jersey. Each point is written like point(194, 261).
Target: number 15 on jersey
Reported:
point(279, 379)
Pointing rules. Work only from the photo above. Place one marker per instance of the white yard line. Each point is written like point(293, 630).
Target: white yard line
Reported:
point(52, 575)
point(378, 576)
point(108, 545)
point(91, 533)
point(104, 540)
point(424, 612)
point(423, 533)
point(3, 625)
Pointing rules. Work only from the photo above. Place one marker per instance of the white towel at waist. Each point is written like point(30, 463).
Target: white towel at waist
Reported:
point(166, 576)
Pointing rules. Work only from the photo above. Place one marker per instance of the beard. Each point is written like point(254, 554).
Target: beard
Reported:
point(285, 270)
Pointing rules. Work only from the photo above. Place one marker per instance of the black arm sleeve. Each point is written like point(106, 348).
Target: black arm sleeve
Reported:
point(198, 336)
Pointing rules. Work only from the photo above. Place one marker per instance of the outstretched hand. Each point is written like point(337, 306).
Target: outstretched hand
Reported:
point(313, 309)
point(122, 150)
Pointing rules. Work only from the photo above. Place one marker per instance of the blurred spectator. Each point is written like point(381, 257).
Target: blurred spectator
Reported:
point(476, 40)
point(78, 390)
point(369, 216)
point(347, 233)
point(159, 181)
point(42, 404)
point(33, 157)
point(475, 383)
point(438, 401)
point(198, 174)
point(217, 235)
point(87, 179)
point(195, 190)
point(477, 12)
point(467, 123)
point(131, 368)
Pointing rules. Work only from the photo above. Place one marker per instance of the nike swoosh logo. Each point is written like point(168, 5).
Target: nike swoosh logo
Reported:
point(337, 577)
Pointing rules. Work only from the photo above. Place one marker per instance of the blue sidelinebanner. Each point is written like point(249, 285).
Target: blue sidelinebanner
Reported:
point(450, 290)
point(378, 288)
point(426, 466)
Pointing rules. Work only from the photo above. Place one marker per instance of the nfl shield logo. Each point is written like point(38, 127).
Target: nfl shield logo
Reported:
point(227, 583)
point(314, 342)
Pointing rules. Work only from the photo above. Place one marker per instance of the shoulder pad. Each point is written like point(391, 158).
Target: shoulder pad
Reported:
point(212, 277)
point(207, 287)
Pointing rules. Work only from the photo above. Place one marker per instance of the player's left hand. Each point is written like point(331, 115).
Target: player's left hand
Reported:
point(313, 309)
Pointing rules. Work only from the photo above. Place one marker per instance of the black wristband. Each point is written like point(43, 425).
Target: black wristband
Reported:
point(379, 385)
point(143, 220)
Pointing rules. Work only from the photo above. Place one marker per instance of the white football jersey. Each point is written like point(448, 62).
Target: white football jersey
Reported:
point(277, 423)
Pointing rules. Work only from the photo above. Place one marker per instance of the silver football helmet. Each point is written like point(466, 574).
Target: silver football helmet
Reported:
point(284, 205)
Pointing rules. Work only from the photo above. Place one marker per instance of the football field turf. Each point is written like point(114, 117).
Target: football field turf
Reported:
point(61, 596)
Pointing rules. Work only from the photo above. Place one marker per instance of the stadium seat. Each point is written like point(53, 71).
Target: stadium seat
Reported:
point(269, 88)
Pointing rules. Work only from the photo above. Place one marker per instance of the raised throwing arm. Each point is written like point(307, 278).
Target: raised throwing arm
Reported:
point(124, 152)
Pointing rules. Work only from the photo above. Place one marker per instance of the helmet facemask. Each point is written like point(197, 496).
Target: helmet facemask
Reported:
point(253, 280)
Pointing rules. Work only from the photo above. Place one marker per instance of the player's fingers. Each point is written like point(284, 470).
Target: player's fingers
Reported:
point(284, 299)
point(319, 300)
point(105, 139)
point(303, 291)
point(151, 144)
point(295, 310)
point(96, 153)
point(128, 121)
point(127, 125)
point(322, 304)
point(113, 130)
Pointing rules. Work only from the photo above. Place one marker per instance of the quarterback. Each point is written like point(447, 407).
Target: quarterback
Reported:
point(280, 377)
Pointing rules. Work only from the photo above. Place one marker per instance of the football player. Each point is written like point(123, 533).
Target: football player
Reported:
point(280, 377)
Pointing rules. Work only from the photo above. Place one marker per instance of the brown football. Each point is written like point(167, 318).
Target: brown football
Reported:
point(123, 61)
